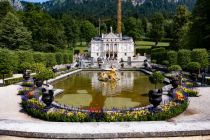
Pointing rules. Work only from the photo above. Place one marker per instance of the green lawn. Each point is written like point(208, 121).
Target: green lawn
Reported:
point(139, 44)
point(149, 44)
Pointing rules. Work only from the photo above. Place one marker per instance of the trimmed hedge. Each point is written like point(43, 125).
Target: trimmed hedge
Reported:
point(175, 68)
point(59, 58)
point(25, 56)
point(70, 58)
point(66, 59)
point(5, 75)
point(39, 57)
point(184, 57)
point(193, 67)
point(13, 81)
point(50, 60)
point(172, 57)
point(200, 56)
point(158, 54)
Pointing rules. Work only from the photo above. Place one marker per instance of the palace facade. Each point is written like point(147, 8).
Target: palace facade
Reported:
point(112, 47)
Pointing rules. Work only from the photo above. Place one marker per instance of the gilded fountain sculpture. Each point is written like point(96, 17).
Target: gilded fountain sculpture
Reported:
point(107, 76)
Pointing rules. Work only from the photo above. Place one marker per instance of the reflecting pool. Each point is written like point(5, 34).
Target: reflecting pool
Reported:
point(84, 90)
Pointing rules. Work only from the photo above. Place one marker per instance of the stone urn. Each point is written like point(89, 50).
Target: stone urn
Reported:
point(47, 97)
point(68, 67)
point(175, 83)
point(155, 97)
point(122, 65)
point(26, 75)
point(38, 83)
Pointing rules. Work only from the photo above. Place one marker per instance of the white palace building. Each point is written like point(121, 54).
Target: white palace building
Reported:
point(112, 47)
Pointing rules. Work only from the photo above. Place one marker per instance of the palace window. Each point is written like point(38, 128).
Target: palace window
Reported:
point(125, 54)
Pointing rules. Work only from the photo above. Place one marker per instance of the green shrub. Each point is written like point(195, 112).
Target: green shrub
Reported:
point(193, 67)
point(6, 62)
point(25, 66)
point(38, 67)
point(158, 54)
point(50, 60)
point(5, 75)
point(76, 52)
point(39, 58)
point(175, 68)
point(200, 56)
point(25, 56)
point(70, 58)
point(45, 75)
point(156, 78)
point(65, 58)
point(15, 61)
point(59, 58)
point(191, 93)
point(165, 62)
point(13, 81)
point(172, 57)
point(184, 57)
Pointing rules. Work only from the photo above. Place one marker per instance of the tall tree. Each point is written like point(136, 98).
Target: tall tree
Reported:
point(180, 20)
point(88, 30)
point(134, 28)
point(199, 33)
point(47, 33)
point(145, 25)
point(157, 30)
point(6, 62)
point(5, 8)
point(71, 29)
point(13, 34)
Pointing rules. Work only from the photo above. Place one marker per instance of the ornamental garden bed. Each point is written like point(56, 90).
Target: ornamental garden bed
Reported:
point(33, 104)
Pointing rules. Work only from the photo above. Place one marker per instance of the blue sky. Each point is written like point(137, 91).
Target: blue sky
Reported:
point(35, 0)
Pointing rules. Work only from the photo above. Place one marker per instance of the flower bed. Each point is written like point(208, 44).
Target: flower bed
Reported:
point(37, 109)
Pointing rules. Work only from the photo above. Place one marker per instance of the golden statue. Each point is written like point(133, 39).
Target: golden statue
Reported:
point(110, 75)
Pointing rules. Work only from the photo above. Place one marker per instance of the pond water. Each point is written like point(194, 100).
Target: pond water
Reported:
point(84, 90)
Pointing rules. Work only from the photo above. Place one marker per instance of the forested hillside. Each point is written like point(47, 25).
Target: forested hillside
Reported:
point(107, 8)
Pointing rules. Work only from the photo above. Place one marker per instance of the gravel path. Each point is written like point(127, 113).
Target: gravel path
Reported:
point(195, 119)
point(198, 108)
point(10, 108)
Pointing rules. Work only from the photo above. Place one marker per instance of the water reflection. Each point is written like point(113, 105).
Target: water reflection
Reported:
point(84, 89)
point(112, 88)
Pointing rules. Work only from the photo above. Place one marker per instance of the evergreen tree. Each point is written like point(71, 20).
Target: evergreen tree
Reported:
point(199, 34)
point(134, 28)
point(47, 33)
point(5, 8)
point(145, 25)
point(88, 30)
point(180, 20)
point(13, 34)
point(157, 30)
point(71, 29)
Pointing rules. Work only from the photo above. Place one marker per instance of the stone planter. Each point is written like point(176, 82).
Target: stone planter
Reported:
point(47, 97)
point(26, 75)
point(155, 97)
point(38, 83)
point(175, 83)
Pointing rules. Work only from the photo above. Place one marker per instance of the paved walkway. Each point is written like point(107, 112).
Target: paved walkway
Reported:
point(194, 121)
point(10, 108)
